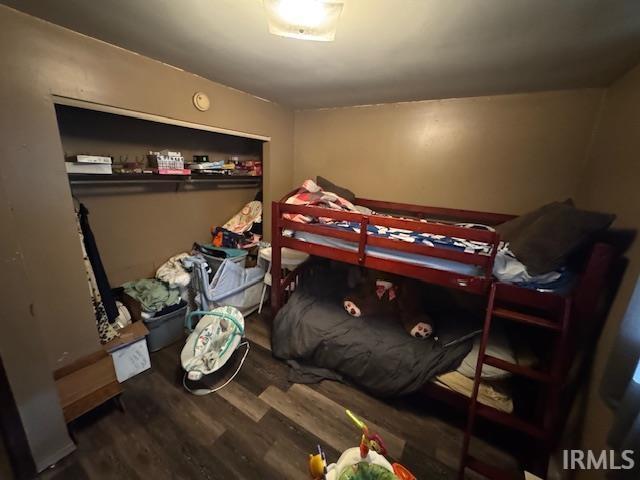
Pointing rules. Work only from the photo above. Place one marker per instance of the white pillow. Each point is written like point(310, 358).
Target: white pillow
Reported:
point(499, 347)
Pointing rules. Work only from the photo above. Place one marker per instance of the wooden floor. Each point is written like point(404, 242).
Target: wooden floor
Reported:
point(260, 426)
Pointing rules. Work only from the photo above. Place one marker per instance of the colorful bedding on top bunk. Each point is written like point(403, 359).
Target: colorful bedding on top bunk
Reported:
point(429, 239)
point(534, 250)
point(311, 195)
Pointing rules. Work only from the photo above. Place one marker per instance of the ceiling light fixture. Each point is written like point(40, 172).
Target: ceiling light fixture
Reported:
point(304, 19)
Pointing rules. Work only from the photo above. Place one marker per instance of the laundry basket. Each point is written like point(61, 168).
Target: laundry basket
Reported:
point(220, 254)
point(232, 285)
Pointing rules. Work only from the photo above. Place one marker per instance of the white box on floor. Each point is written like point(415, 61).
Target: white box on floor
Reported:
point(130, 360)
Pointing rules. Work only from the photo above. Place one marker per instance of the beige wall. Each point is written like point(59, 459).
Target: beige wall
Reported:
point(23, 351)
point(612, 184)
point(37, 60)
point(505, 153)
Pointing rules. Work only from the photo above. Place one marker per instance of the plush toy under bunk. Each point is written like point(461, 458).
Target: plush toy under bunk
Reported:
point(384, 293)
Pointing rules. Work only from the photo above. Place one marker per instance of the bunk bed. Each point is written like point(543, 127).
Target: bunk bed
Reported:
point(559, 316)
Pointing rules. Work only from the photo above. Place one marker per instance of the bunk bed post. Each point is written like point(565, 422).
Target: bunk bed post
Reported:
point(362, 243)
point(550, 397)
point(276, 259)
point(588, 295)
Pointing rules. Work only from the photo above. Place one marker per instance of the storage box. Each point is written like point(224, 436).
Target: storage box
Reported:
point(129, 351)
point(131, 360)
point(165, 329)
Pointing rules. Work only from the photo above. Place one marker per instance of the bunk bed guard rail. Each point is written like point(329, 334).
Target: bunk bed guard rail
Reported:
point(474, 283)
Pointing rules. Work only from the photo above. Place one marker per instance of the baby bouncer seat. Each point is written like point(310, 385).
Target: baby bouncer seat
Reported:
point(210, 345)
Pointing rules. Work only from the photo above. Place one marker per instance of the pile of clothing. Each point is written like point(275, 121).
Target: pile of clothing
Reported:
point(310, 194)
point(165, 293)
point(154, 296)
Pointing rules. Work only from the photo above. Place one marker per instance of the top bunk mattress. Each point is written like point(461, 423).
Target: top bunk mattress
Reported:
point(389, 254)
point(561, 282)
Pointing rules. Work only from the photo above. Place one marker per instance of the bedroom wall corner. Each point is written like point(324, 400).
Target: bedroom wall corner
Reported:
point(612, 183)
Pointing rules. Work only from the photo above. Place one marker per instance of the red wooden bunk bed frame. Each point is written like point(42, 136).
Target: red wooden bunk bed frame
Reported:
point(552, 312)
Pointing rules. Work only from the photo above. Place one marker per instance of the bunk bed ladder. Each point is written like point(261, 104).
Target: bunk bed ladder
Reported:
point(551, 380)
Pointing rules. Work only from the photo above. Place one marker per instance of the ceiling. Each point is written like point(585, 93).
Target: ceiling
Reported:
point(385, 50)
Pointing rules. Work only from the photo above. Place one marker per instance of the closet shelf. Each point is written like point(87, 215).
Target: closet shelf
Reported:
point(78, 179)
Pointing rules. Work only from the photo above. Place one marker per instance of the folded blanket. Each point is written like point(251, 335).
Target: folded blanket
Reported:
point(152, 294)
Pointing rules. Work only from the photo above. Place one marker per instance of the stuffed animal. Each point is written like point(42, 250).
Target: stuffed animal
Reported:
point(379, 293)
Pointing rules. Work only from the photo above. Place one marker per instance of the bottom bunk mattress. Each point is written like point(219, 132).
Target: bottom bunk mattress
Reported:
point(314, 333)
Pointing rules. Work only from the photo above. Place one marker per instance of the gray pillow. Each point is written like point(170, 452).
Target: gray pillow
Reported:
point(542, 240)
point(511, 230)
point(329, 186)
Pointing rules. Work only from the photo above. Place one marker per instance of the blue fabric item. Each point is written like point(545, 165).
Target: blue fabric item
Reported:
point(560, 286)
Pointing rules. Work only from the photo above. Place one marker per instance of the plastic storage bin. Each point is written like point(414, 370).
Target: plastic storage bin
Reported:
point(165, 329)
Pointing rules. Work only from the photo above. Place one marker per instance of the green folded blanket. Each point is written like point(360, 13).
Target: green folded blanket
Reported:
point(152, 294)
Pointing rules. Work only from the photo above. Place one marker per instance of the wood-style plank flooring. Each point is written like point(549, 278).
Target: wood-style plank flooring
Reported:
point(259, 427)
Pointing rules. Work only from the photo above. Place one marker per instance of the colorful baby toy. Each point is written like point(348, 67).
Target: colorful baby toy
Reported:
point(358, 463)
point(368, 441)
